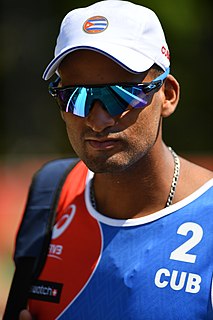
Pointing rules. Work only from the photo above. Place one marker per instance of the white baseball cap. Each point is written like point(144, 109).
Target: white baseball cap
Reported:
point(129, 34)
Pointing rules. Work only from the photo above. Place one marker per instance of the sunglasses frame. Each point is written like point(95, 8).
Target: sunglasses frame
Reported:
point(147, 87)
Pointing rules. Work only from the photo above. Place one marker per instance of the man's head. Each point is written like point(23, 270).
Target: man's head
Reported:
point(129, 34)
point(109, 143)
point(109, 51)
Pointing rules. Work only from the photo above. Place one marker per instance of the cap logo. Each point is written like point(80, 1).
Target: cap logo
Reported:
point(165, 52)
point(95, 24)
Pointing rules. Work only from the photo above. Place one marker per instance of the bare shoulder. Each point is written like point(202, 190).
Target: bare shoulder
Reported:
point(192, 177)
point(196, 173)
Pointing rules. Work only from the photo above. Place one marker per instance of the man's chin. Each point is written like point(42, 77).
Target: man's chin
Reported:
point(107, 165)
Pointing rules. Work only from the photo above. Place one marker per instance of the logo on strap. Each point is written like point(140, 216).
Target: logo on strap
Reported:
point(46, 291)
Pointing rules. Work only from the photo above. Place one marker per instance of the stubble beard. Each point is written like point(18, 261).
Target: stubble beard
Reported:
point(114, 163)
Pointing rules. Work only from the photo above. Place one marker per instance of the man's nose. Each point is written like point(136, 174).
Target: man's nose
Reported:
point(99, 118)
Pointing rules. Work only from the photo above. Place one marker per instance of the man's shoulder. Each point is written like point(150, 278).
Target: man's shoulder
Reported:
point(196, 173)
point(192, 178)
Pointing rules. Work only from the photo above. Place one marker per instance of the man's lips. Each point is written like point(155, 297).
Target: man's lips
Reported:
point(102, 144)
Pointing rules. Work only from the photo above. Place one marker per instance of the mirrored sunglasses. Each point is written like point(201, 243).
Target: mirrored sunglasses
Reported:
point(115, 98)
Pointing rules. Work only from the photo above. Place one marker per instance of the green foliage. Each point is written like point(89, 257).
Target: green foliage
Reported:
point(30, 119)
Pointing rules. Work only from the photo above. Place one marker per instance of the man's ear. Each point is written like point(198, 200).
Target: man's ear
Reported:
point(171, 96)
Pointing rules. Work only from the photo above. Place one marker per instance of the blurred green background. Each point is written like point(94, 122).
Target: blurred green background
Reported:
point(31, 129)
point(30, 122)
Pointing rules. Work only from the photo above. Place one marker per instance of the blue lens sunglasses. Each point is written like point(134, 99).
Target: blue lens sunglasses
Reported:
point(115, 98)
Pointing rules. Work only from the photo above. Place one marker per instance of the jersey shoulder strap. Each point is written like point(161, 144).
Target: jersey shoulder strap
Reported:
point(34, 234)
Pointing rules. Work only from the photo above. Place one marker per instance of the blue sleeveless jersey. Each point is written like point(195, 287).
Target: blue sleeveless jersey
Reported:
point(155, 267)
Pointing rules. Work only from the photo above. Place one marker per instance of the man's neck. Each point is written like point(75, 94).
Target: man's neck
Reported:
point(138, 191)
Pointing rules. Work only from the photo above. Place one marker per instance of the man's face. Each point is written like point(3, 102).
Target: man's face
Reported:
point(106, 143)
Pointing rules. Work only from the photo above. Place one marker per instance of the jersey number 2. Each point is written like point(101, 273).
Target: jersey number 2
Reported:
point(181, 253)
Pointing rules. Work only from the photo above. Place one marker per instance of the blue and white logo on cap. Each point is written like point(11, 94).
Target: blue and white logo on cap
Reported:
point(95, 24)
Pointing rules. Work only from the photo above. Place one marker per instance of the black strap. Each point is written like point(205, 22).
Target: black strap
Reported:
point(34, 235)
point(18, 295)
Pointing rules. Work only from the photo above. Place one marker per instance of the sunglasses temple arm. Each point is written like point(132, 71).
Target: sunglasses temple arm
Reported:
point(163, 75)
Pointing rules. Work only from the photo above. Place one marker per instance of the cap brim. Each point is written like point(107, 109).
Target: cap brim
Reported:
point(128, 58)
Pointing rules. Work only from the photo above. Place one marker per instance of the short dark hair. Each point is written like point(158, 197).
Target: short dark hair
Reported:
point(157, 69)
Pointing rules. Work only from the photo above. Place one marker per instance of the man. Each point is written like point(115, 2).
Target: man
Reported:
point(134, 228)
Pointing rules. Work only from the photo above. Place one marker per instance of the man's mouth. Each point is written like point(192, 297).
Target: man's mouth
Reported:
point(102, 144)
